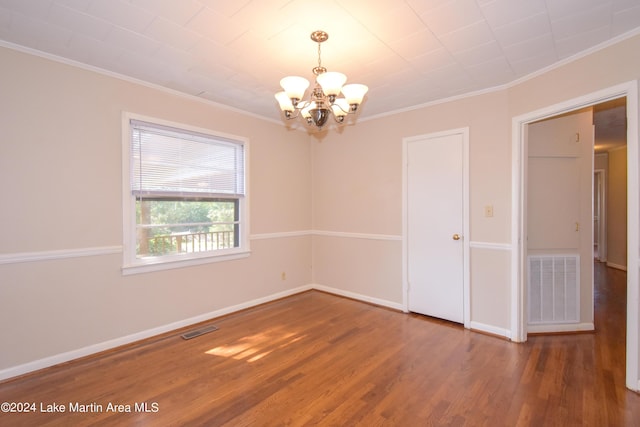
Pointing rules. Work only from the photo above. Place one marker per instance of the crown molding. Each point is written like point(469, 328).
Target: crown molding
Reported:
point(129, 79)
point(611, 42)
point(513, 83)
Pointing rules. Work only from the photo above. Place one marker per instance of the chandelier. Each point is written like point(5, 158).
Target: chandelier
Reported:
point(323, 100)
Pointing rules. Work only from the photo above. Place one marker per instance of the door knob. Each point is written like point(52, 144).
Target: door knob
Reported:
point(456, 237)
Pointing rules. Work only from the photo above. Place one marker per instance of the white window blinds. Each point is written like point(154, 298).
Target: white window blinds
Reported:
point(169, 162)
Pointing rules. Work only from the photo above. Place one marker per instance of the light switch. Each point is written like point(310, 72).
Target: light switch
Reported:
point(488, 211)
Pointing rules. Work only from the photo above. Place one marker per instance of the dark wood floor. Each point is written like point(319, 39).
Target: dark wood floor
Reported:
point(318, 359)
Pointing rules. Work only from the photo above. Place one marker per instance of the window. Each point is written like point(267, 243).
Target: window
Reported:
point(184, 196)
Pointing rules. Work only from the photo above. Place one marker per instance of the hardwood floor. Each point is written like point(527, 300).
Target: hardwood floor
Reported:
point(318, 359)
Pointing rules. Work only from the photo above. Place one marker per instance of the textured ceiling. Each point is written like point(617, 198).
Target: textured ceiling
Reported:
point(235, 52)
point(610, 123)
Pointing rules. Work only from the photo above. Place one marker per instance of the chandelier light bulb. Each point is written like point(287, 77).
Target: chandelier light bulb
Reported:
point(285, 102)
point(331, 82)
point(340, 108)
point(294, 87)
point(354, 93)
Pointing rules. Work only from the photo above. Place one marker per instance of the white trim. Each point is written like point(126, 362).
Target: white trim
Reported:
point(465, 218)
point(466, 230)
point(405, 225)
point(58, 254)
point(518, 310)
point(477, 326)
point(560, 327)
point(492, 246)
point(117, 342)
point(15, 258)
point(359, 297)
point(633, 239)
point(518, 321)
point(280, 235)
point(356, 235)
point(194, 259)
point(436, 102)
point(602, 215)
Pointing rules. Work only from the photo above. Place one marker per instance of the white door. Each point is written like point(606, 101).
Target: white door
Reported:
point(435, 226)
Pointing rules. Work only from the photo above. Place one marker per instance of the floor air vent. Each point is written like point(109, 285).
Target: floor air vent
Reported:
point(198, 332)
point(554, 289)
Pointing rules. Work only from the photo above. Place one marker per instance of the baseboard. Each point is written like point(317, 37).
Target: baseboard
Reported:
point(489, 329)
point(111, 344)
point(560, 328)
point(617, 266)
point(46, 362)
point(475, 326)
point(359, 297)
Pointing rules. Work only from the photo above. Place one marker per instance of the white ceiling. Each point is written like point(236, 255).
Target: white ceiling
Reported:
point(235, 52)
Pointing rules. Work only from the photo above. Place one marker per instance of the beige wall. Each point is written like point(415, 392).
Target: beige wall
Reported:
point(357, 187)
point(358, 174)
point(617, 209)
point(60, 164)
point(61, 174)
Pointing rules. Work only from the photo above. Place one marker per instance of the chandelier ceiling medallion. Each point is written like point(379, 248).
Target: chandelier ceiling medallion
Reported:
point(323, 99)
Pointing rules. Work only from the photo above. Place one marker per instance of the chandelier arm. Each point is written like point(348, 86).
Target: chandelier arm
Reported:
point(292, 115)
point(347, 111)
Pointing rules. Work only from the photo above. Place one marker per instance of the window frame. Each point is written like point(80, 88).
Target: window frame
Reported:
point(131, 264)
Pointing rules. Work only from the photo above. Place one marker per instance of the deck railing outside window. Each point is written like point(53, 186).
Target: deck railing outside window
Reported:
point(185, 242)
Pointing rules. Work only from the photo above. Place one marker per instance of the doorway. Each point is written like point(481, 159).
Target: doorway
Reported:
point(610, 184)
point(519, 270)
point(558, 217)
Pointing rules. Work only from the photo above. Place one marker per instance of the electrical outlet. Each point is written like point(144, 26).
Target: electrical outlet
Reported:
point(488, 211)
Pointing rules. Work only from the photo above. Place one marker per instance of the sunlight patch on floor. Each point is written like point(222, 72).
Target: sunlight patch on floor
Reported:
point(254, 347)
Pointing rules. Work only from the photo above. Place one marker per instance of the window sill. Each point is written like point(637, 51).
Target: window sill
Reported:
point(151, 265)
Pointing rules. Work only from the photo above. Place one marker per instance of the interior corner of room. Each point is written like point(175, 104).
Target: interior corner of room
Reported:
point(492, 209)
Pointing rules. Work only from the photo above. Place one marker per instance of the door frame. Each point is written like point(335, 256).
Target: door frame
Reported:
point(602, 213)
point(466, 238)
point(518, 285)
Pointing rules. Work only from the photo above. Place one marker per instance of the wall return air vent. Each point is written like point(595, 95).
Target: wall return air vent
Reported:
point(554, 289)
